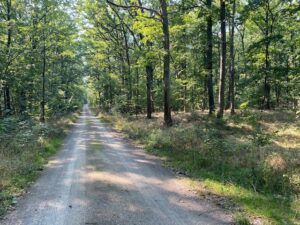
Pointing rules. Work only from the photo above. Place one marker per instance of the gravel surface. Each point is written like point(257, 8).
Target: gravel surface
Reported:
point(98, 178)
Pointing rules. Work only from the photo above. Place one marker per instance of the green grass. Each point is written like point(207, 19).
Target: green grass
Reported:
point(250, 159)
point(279, 211)
point(24, 149)
point(241, 219)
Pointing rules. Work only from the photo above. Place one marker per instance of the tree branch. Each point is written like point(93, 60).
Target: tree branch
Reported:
point(134, 7)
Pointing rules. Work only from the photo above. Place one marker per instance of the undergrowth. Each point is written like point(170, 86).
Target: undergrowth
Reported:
point(252, 158)
point(25, 146)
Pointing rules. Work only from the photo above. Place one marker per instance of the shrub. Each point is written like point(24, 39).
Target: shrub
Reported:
point(260, 138)
point(275, 174)
point(159, 140)
point(241, 219)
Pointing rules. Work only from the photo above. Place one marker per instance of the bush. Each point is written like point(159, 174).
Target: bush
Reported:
point(159, 140)
point(275, 174)
point(241, 219)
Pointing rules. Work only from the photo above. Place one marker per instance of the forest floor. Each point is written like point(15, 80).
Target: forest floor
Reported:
point(25, 146)
point(248, 163)
point(99, 178)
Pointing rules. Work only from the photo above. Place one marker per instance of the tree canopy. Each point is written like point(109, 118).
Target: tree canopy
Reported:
point(145, 56)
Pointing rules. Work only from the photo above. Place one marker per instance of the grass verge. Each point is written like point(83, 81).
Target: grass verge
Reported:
point(252, 159)
point(25, 146)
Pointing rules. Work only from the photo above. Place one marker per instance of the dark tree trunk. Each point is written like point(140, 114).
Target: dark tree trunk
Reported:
point(22, 103)
point(7, 98)
point(42, 115)
point(111, 91)
point(267, 86)
point(183, 76)
point(166, 60)
point(150, 76)
point(222, 59)
point(232, 61)
point(129, 96)
point(149, 72)
point(209, 61)
point(137, 93)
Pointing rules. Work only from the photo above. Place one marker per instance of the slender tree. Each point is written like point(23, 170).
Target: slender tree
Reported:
point(7, 98)
point(167, 60)
point(43, 77)
point(209, 60)
point(164, 18)
point(232, 61)
point(222, 59)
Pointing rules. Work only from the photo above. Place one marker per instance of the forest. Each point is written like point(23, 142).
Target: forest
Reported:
point(211, 86)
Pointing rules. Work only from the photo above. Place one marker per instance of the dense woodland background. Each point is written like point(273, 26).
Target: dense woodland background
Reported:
point(216, 55)
point(145, 56)
point(41, 61)
point(212, 86)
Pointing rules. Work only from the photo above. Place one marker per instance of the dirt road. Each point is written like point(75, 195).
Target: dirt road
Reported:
point(99, 179)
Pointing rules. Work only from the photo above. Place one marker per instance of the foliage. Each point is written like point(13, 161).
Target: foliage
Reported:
point(240, 219)
point(122, 41)
point(39, 37)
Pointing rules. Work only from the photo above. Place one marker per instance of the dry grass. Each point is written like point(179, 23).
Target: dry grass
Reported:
point(24, 148)
point(254, 155)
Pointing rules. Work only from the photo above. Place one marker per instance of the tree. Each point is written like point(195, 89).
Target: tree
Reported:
point(44, 55)
point(209, 60)
point(167, 60)
point(145, 53)
point(232, 62)
point(163, 16)
point(222, 59)
point(32, 35)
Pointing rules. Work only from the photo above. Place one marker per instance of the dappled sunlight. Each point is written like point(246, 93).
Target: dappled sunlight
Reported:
point(116, 183)
point(107, 177)
point(261, 153)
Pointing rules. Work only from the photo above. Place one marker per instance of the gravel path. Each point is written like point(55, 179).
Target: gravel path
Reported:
point(99, 179)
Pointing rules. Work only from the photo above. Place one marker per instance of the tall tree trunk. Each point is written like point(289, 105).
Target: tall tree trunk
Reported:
point(183, 76)
point(149, 72)
point(209, 61)
point(150, 76)
point(7, 105)
point(267, 86)
point(222, 59)
point(42, 115)
point(166, 60)
point(232, 61)
point(129, 96)
point(137, 92)
point(7, 99)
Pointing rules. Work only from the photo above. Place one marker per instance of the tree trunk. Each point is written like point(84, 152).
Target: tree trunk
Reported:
point(7, 98)
point(232, 61)
point(149, 72)
point(150, 76)
point(209, 62)
point(267, 86)
point(7, 105)
point(129, 96)
point(166, 60)
point(183, 76)
point(222, 59)
point(42, 115)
